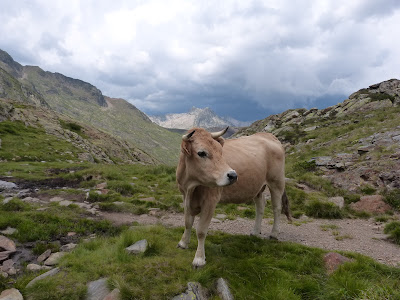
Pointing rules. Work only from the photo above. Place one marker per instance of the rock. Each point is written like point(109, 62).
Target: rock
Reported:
point(8, 199)
point(97, 290)
point(223, 290)
point(138, 247)
point(34, 267)
point(101, 186)
point(7, 265)
point(150, 199)
point(220, 216)
point(5, 185)
point(7, 244)
point(339, 201)
point(11, 294)
point(5, 254)
point(333, 261)
point(364, 149)
point(54, 258)
point(194, 292)
point(65, 203)
point(71, 233)
point(42, 257)
point(372, 204)
point(31, 200)
point(114, 295)
point(56, 199)
point(44, 275)
point(214, 220)
point(9, 230)
point(68, 247)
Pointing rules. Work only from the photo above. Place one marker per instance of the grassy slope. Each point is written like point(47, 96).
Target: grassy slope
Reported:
point(80, 101)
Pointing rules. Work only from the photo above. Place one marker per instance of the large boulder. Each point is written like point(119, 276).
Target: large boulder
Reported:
point(373, 204)
point(333, 261)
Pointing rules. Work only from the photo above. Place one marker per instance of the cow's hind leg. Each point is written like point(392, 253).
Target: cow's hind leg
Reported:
point(260, 207)
point(276, 189)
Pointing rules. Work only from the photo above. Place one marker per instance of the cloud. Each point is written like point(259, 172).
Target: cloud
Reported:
point(247, 59)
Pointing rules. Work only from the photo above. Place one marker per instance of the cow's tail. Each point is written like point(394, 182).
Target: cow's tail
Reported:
point(285, 206)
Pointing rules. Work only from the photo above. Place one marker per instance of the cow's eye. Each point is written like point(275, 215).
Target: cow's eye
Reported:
point(202, 154)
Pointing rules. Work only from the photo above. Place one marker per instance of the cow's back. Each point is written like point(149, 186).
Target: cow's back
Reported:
point(256, 159)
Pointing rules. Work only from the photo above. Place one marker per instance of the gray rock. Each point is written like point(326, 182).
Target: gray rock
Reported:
point(138, 247)
point(65, 203)
point(7, 244)
point(8, 199)
point(54, 258)
point(223, 290)
point(42, 257)
point(220, 216)
point(11, 294)
point(68, 247)
point(56, 199)
point(9, 230)
point(97, 290)
point(44, 275)
point(34, 267)
point(5, 185)
point(338, 201)
point(114, 295)
point(194, 292)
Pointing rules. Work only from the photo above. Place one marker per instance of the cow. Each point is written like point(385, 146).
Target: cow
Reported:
point(212, 170)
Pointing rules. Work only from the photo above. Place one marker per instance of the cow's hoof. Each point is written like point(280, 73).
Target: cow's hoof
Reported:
point(182, 245)
point(256, 234)
point(198, 263)
point(273, 237)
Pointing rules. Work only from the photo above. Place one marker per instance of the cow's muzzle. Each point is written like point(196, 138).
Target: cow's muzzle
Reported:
point(232, 176)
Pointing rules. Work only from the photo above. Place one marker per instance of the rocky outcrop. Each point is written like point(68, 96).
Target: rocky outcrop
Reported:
point(372, 204)
point(333, 261)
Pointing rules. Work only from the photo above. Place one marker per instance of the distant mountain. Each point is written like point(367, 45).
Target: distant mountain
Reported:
point(85, 103)
point(196, 117)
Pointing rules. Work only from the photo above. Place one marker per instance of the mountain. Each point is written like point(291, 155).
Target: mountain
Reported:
point(355, 145)
point(196, 117)
point(85, 103)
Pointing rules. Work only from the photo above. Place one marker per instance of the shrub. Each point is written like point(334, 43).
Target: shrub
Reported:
point(367, 189)
point(350, 198)
point(319, 209)
point(307, 166)
point(15, 205)
point(393, 198)
point(393, 229)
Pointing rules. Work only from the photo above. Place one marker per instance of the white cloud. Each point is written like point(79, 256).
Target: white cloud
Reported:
point(168, 55)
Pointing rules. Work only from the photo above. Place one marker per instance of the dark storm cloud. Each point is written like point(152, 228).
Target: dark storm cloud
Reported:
point(246, 59)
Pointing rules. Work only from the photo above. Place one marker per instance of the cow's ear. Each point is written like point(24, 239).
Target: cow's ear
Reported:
point(186, 148)
point(220, 140)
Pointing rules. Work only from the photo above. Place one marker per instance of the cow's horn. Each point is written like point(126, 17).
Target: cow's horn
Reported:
point(216, 135)
point(186, 137)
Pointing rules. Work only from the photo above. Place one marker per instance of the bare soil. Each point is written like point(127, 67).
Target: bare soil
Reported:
point(356, 235)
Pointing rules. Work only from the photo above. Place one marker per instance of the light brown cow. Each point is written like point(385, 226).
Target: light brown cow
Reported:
point(208, 169)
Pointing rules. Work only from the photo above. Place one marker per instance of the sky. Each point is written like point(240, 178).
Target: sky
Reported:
point(244, 59)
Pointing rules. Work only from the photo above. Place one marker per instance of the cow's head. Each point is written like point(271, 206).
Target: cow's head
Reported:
point(205, 163)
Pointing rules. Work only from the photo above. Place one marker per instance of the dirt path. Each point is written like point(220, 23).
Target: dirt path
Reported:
point(356, 235)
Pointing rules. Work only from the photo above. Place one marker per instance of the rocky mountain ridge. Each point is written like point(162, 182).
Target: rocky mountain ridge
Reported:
point(86, 104)
point(354, 144)
point(196, 117)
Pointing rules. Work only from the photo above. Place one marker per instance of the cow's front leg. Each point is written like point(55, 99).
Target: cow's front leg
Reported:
point(207, 212)
point(189, 219)
point(276, 199)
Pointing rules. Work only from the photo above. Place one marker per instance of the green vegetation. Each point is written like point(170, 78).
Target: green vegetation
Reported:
point(254, 268)
point(393, 229)
point(26, 143)
point(393, 198)
point(326, 210)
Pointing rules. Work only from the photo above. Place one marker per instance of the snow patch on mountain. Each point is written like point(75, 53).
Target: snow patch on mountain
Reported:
point(196, 117)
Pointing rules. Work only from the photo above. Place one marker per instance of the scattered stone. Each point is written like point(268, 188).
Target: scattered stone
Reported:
point(101, 186)
point(5, 254)
point(338, 201)
point(65, 203)
point(54, 258)
point(194, 292)
point(9, 230)
point(221, 216)
point(241, 208)
point(372, 204)
point(8, 199)
point(56, 199)
point(5, 185)
point(333, 261)
point(138, 247)
point(11, 294)
point(214, 220)
point(42, 257)
point(114, 295)
point(71, 233)
point(34, 267)
point(7, 244)
point(31, 199)
point(97, 290)
point(44, 275)
point(68, 247)
point(149, 199)
point(7, 265)
point(223, 290)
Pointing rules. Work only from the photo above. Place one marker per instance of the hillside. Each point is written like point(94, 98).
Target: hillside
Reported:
point(196, 117)
point(85, 103)
point(355, 144)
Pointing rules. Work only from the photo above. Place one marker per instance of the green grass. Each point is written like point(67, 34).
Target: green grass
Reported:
point(326, 210)
point(393, 229)
point(25, 143)
point(254, 269)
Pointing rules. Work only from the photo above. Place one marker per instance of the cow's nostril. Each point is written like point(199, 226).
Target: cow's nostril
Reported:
point(232, 176)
